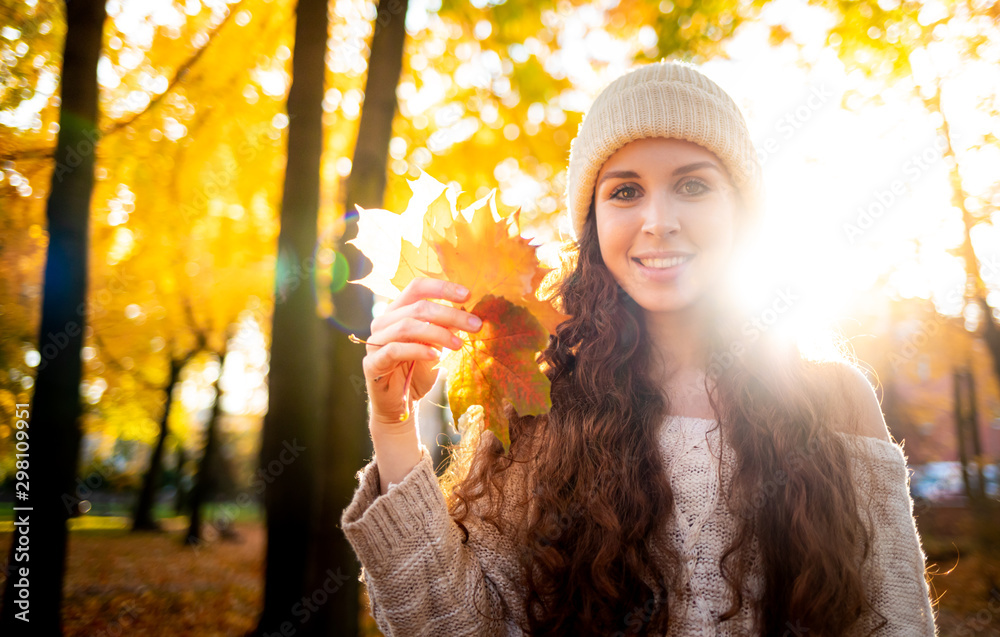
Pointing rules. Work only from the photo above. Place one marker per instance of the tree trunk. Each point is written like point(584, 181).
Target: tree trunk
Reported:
point(973, 429)
point(182, 497)
point(54, 413)
point(991, 333)
point(348, 444)
point(142, 518)
point(960, 427)
point(205, 480)
point(291, 440)
point(989, 329)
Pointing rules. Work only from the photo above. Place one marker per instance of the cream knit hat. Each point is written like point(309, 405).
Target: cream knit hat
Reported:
point(661, 99)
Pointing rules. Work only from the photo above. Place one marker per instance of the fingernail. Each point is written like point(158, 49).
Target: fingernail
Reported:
point(475, 321)
point(462, 291)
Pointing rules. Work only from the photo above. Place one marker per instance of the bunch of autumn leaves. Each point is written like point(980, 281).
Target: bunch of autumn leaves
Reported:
point(478, 249)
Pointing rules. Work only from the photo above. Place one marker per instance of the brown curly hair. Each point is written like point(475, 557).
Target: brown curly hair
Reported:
point(599, 492)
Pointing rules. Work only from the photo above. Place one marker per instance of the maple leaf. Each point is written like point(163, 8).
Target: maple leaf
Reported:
point(497, 363)
point(546, 313)
point(381, 233)
point(484, 251)
point(440, 221)
point(420, 258)
point(483, 257)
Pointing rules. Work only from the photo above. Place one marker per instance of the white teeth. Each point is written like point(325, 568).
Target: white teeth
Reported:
point(664, 263)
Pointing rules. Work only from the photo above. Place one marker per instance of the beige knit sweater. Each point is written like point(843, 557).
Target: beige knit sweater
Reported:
point(422, 580)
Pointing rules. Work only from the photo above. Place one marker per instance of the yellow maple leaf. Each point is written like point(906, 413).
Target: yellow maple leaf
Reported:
point(484, 251)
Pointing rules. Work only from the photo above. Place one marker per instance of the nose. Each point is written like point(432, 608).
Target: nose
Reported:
point(661, 215)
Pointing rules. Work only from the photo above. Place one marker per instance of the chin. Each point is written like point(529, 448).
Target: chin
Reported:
point(665, 302)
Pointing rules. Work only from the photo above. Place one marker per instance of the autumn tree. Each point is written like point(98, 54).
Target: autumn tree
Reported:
point(912, 46)
point(207, 476)
point(142, 514)
point(915, 48)
point(181, 217)
point(347, 440)
point(295, 404)
point(55, 408)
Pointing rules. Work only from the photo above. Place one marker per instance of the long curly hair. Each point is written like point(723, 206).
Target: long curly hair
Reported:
point(599, 492)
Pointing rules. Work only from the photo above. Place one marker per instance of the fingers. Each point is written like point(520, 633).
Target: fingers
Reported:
point(414, 330)
point(427, 311)
point(428, 288)
point(386, 359)
point(424, 309)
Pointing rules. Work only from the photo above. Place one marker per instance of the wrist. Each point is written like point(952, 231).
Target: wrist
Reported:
point(397, 452)
point(389, 427)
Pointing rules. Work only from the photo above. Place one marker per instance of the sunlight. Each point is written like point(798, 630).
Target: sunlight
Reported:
point(848, 193)
point(174, 220)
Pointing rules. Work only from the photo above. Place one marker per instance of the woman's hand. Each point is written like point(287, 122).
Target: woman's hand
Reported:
point(406, 340)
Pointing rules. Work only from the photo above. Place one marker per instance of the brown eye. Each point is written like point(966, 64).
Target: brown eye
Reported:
point(615, 194)
point(700, 187)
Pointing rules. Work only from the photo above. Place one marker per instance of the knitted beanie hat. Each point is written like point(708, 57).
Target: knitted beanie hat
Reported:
point(661, 99)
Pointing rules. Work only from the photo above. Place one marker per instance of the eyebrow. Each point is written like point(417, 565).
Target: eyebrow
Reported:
point(683, 170)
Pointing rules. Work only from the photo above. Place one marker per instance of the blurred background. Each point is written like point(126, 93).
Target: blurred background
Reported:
point(178, 181)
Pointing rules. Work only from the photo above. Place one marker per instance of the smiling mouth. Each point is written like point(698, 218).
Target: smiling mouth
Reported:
point(664, 264)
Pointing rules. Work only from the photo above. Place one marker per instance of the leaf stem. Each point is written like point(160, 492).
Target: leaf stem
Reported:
point(355, 339)
point(406, 392)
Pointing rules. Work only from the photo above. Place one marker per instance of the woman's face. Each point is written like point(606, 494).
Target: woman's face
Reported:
point(666, 214)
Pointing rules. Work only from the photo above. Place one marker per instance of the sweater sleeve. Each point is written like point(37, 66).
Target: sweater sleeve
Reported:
point(422, 579)
point(894, 571)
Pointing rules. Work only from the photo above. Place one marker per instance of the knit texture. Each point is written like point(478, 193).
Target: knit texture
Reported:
point(422, 580)
point(662, 99)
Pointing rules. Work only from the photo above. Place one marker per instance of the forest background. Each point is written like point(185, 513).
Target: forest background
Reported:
point(178, 183)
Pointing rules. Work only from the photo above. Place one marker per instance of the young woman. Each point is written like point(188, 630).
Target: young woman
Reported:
point(694, 476)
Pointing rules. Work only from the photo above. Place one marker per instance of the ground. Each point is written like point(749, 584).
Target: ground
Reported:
point(123, 583)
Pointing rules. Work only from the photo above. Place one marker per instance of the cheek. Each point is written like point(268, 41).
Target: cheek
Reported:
point(715, 233)
point(609, 239)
